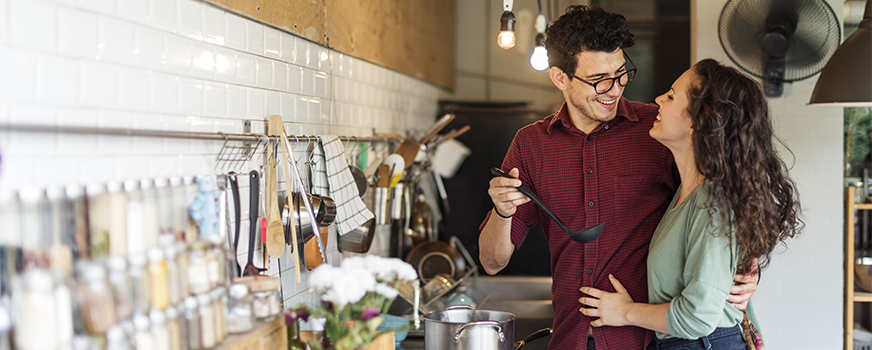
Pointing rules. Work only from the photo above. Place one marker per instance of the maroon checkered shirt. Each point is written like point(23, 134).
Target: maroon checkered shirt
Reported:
point(617, 175)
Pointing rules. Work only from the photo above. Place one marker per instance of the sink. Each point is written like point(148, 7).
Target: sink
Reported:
point(526, 297)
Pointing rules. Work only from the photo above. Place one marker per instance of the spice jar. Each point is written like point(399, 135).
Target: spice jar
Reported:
point(198, 269)
point(122, 286)
point(143, 338)
point(34, 302)
point(94, 296)
point(158, 275)
point(174, 326)
point(192, 323)
point(159, 330)
point(240, 319)
point(207, 324)
point(141, 283)
point(220, 316)
point(266, 305)
point(172, 275)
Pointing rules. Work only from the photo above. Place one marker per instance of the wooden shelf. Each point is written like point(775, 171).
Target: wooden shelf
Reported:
point(864, 206)
point(862, 297)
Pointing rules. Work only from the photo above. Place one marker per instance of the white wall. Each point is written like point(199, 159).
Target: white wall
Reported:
point(180, 65)
point(799, 300)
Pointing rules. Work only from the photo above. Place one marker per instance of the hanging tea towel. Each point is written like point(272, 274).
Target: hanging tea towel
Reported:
point(330, 164)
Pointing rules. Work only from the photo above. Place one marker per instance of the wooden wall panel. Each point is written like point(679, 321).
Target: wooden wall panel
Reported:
point(415, 37)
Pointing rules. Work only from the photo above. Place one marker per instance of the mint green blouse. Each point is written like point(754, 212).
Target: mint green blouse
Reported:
point(692, 269)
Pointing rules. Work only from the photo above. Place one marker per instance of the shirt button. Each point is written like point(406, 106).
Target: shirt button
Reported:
point(606, 126)
point(588, 137)
point(590, 170)
point(589, 271)
point(590, 203)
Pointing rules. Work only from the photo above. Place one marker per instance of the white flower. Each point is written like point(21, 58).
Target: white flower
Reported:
point(386, 291)
point(386, 270)
point(349, 286)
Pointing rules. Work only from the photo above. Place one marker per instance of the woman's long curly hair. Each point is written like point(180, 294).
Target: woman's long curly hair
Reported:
point(733, 142)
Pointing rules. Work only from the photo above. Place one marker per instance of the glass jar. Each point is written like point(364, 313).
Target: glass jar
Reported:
point(266, 305)
point(240, 318)
point(64, 302)
point(35, 303)
point(116, 339)
point(172, 275)
point(220, 315)
point(198, 269)
point(182, 263)
point(143, 338)
point(141, 283)
point(214, 265)
point(207, 323)
point(174, 327)
point(95, 300)
point(157, 273)
point(192, 323)
point(159, 330)
point(122, 286)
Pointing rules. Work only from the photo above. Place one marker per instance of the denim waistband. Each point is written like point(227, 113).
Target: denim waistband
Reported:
point(717, 334)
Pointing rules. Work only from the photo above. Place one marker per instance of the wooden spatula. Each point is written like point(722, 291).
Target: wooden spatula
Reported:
point(313, 255)
point(384, 175)
point(408, 150)
point(275, 234)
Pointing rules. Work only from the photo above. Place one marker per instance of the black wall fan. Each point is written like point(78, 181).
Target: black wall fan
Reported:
point(779, 40)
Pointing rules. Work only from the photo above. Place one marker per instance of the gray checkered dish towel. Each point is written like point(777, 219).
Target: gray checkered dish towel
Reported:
point(336, 181)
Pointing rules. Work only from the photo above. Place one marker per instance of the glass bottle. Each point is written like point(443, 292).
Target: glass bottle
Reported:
point(207, 323)
point(143, 338)
point(174, 326)
point(64, 302)
point(159, 329)
point(172, 274)
point(220, 317)
point(116, 339)
point(192, 323)
point(213, 264)
point(182, 262)
point(240, 318)
point(34, 302)
point(141, 283)
point(198, 269)
point(95, 300)
point(157, 273)
point(122, 286)
point(294, 342)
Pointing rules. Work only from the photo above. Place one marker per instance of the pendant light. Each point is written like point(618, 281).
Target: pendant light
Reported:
point(846, 80)
point(506, 38)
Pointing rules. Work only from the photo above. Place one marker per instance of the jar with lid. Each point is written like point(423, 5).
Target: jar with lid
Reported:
point(122, 286)
point(207, 323)
point(35, 310)
point(214, 265)
point(266, 305)
point(139, 278)
point(157, 273)
point(94, 298)
point(116, 339)
point(192, 323)
point(159, 330)
point(172, 274)
point(240, 319)
point(218, 262)
point(198, 269)
point(174, 327)
point(143, 338)
point(64, 302)
point(182, 263)
point(220, 315)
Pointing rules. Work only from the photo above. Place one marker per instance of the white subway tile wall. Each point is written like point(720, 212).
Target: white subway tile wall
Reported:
point(178, 65)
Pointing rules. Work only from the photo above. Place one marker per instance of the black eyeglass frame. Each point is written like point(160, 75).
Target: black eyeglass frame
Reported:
point(613, 80)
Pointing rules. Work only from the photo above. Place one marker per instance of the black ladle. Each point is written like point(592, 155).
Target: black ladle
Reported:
point(254, 183)
point(587, 235)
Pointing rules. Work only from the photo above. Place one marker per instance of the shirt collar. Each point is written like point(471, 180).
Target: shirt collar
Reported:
point(562, 116)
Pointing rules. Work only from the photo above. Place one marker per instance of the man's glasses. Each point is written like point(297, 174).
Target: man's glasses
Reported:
point(604, 85)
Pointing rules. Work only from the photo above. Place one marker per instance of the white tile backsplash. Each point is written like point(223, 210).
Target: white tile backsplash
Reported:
point(176, 65)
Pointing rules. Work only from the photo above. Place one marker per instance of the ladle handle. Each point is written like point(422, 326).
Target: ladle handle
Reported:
point(529, 193)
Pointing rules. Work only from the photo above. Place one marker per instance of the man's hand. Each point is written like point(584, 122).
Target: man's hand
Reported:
point(611, 308)
point(744, 288)
point(505, 195)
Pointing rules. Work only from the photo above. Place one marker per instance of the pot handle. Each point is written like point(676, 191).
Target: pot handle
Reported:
point(455, 307)
point(495, 324)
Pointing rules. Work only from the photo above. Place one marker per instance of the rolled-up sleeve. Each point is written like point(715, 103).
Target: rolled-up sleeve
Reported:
point(708, 274)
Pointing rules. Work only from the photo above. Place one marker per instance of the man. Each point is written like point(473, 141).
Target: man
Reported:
point(591, 162)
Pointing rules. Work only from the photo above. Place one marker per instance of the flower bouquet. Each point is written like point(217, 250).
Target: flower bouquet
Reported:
point(354, 296)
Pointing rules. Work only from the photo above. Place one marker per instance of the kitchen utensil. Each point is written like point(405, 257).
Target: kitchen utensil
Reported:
point(408, 150)
point(237, 214)
point(463, 327)
point(254, 184)
point(357, 240)
point(440, 284)
point(359, 179)
point(396, 163)
point(434, 257)
point(587, 235)
point(296, 251)
point(313, 257)
point(275, 238)
point(384, 175)
point(435, 128)
point(420, 221)
point(325, 210)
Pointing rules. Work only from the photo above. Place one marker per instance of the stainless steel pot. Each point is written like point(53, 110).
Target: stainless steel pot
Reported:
point(464, 327)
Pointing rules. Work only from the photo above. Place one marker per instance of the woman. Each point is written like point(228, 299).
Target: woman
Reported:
point(735, 203)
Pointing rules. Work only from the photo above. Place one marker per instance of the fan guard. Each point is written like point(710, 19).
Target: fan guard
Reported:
point(768, 38)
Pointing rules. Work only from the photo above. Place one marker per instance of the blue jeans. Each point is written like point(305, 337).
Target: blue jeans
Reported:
point(720, 339)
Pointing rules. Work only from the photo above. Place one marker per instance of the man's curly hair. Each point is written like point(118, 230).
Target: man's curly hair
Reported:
point(588, 28)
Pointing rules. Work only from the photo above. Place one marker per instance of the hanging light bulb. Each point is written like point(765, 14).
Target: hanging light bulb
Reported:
point(538, 54)
point(506, 38)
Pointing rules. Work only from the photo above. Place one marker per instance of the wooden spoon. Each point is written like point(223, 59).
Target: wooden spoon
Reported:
point(275, 234)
